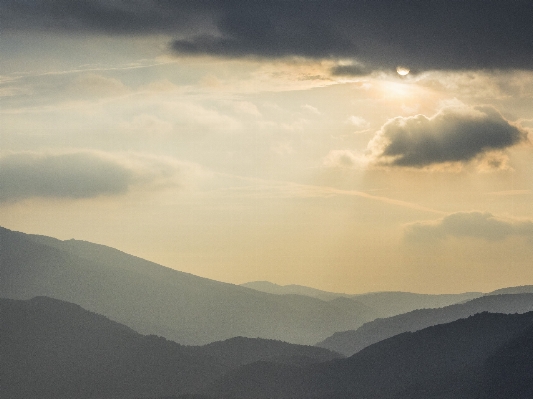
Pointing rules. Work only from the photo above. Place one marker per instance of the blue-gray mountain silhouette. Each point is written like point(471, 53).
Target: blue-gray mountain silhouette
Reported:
point(350, 342)
point(383, 304)
point(153, 299)
point(55, 349)
point(486, 356)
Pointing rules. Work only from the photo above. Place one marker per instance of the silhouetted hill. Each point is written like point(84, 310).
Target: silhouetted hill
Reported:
point(521, 289)
point(459, 360)
point(388, 304)
point(55, 349)
point(350, 342)
point(153, 299)
point(271, 288)
point(240, 350)
point(508, 373)
point(382, 304)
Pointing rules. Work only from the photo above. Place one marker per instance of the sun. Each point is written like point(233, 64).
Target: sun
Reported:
point(402, 71)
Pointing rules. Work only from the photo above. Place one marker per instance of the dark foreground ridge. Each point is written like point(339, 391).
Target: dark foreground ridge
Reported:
point(55, 349)
point(486, 356)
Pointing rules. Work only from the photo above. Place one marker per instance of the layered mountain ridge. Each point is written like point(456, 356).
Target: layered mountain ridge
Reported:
point(55, 349)
point(350, 342)
point(153, 299)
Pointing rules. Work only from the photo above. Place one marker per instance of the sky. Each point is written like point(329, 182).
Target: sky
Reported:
point(351, 146)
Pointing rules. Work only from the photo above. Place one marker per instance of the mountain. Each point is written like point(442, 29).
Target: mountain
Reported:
point(293, 289)
point(388, 304)
point(350, 342)
point(238, 351)
point(483, 356)
point(153, 299)
point(55, 349)
point(507, 373)
point(521, 289)
point(383, 304)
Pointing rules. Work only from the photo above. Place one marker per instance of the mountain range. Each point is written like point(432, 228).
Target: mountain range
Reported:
point(383, 304)
point(55, 349)
point(486, 356)
point(350, 342)
point(82, 320)
point(153, 299)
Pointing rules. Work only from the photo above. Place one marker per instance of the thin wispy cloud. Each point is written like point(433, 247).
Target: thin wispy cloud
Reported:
point(265, 188)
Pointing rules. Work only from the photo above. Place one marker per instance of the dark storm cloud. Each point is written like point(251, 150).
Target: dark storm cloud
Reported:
point(452, 135)
point(469, 224)
point(82, 174)
point(102, 16)
point(421, 34)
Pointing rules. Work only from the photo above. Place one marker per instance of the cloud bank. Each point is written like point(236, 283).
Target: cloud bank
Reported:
point(81, 174)
point(421, 34)
point(469, 224)
point(452, 135)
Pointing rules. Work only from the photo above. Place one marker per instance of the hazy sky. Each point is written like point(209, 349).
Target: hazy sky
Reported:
point(275, 140)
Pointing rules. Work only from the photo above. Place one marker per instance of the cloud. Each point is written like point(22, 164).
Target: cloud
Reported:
point(469, 224)
point(102, 16)
point(350, 70)
point(344, 159)
point(82, 174)
point(311, 109)
point(358, 121)
point(469, 34)
point(455, 134)
point(98, 86)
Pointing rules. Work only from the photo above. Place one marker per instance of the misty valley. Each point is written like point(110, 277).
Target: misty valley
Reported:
point(81, 320)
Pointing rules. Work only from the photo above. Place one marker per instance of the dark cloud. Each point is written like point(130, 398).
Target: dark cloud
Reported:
point(350, 70)
point(421, 34)
point(469, 224)
point(73, 175)
point(103, 16)
point(452, 135)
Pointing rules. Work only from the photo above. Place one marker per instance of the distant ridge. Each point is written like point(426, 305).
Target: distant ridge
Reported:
point(271, 288)
point(350, 342)
point(383, 304)
point(521, 289)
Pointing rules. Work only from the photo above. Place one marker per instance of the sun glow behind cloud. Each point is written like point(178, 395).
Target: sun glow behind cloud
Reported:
point(402, 71)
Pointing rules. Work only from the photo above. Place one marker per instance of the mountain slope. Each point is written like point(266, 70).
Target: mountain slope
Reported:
point(521, 289)
point(388, 304)
point(153, 299)
point(383, 304)
point(55, 349)
point(458, 360)
point(350, 342)
point(271, 288)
